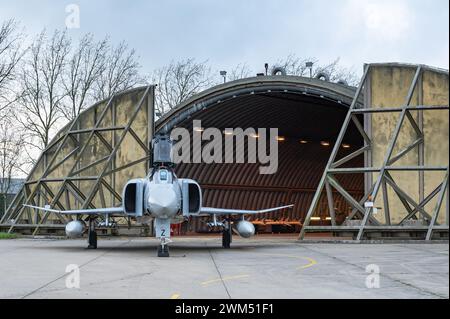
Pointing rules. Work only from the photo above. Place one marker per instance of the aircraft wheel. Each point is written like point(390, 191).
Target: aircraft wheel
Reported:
point(92, 240)
point(163, 251)
point(226, 238)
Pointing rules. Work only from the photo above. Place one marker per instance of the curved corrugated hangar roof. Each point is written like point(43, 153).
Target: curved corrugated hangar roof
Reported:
point(308, 114)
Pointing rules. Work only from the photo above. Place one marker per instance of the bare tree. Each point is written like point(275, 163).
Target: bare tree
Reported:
point(337, 73)
point(241, 71)
point(43, 93)
point(57, 83)
point(10, 55)
point(120, 72)
point(297, 66)
point(82, 70)
point(178, 81)
point(11, 147)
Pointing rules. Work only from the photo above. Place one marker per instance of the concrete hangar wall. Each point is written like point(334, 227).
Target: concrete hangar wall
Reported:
point(388, 87)
point(89, 161)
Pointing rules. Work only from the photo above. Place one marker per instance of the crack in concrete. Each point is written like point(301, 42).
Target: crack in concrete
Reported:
point(422, 290)
point(218, 272)
point(66, 274)
point(424, 251)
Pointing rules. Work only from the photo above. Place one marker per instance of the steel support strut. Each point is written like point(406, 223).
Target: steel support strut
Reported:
point(384, 178)
point(40, 188)
point(339, 140)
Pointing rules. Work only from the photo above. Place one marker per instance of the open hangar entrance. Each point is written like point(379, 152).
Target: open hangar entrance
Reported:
point(308, 114)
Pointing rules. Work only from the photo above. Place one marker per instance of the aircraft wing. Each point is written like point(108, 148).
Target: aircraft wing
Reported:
point(97, 211)
point(225, 211)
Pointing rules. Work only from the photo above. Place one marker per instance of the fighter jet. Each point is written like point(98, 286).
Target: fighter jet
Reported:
point(165, 199)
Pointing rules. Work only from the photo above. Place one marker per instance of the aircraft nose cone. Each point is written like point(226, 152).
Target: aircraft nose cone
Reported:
point(163, 201)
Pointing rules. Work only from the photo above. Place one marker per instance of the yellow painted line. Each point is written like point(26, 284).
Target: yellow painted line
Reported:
point(175, 296)
point(223, 279)
point(311, 263)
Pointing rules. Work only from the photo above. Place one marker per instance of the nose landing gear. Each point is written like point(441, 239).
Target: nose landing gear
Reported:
point(163, 248)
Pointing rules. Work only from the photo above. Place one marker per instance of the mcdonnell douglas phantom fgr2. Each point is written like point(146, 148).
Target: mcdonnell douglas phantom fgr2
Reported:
point(164, 198)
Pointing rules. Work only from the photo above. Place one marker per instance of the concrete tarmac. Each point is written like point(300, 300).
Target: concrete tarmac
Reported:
point(262, 267)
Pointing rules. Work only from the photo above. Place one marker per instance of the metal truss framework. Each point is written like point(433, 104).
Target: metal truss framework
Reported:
point(366, 221)
point(39, 190)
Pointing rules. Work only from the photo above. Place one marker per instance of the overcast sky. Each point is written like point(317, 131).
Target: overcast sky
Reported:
point(228, 32)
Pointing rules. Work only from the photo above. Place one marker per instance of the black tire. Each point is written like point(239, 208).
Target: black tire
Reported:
point(324, 76)
point(92, 240)
point(226, 238)
point(278, 69)
point(163, 252)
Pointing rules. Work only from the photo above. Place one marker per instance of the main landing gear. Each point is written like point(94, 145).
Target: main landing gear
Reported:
point(92, 235)
point(227, 234)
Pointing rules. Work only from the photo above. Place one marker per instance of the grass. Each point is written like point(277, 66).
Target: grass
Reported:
point(7, 236)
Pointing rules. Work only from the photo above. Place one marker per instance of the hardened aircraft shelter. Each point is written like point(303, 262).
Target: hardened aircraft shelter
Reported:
point(340, 149)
